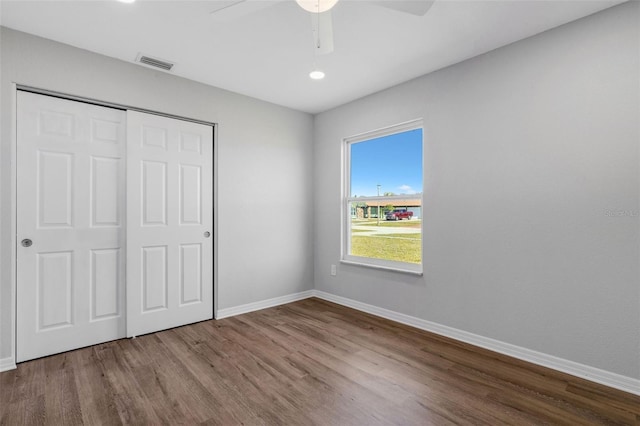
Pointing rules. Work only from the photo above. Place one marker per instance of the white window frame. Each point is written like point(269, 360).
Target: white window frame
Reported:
point(347, 199)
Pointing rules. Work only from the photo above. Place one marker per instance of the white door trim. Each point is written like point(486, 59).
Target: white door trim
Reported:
point(9, 362)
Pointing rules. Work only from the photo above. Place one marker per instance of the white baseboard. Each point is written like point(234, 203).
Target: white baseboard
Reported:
point(263, 304)
point(593, 374)
point(7, 364)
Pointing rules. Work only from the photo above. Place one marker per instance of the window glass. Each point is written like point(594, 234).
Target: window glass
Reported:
point(388, 165)
point(384, 198)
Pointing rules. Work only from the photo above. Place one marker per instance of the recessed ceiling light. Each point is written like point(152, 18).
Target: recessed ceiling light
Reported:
point(126, 1)
point(316, 75)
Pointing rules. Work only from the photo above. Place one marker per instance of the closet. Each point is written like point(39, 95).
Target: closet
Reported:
point(114, 223)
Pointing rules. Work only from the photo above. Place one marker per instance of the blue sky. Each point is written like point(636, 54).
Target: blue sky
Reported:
point(394, 162)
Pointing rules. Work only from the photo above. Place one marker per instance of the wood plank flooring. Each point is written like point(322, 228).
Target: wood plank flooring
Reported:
point(309, 362)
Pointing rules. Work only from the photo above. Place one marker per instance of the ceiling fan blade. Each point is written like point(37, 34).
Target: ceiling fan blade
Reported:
point(322, 25)
point(229, 10)
point(413, 7)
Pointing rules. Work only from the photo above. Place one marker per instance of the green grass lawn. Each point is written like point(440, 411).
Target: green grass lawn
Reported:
point(394, 247)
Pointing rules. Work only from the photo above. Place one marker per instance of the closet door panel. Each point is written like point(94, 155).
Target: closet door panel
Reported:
point(70, 204)
point(169, 223)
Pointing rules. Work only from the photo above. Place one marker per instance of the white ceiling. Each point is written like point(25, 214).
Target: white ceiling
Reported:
point(268, 53)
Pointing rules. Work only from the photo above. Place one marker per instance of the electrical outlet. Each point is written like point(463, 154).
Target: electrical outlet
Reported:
point(334, 270)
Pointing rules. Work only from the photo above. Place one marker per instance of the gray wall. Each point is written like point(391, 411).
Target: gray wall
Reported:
point(526, 149)
point(264, 159)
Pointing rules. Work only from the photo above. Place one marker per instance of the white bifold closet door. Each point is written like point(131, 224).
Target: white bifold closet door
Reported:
point(114, 211)
point(70, 225)
point(169, 222)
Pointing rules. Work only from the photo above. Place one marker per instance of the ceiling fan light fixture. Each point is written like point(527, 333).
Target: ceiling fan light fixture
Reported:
point(316, 75)
point(316, 6)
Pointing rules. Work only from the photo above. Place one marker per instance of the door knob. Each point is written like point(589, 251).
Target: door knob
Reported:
point(207, 234)
point(26, 242)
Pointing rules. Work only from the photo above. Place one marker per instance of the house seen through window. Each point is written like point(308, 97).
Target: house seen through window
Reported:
point(383, 197)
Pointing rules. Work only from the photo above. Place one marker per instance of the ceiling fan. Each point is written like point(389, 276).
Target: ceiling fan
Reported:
point(320, 12)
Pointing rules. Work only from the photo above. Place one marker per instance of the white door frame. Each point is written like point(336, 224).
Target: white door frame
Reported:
point(10, 363)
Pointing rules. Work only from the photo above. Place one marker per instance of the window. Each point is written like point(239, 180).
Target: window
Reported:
point(383, 198)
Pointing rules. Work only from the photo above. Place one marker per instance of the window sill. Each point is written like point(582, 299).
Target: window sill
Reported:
point(400, 269)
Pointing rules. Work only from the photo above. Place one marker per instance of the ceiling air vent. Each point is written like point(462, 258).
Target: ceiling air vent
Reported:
point(154, 62)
